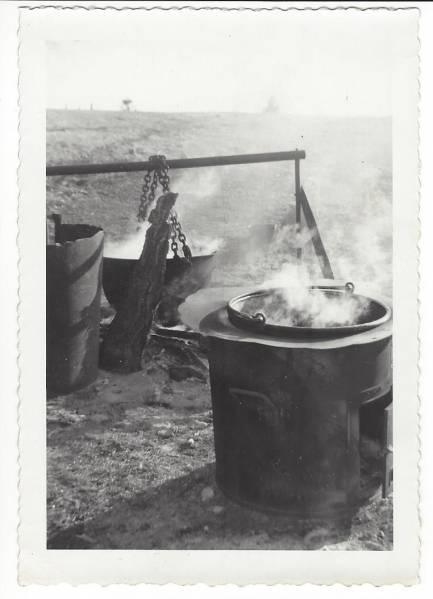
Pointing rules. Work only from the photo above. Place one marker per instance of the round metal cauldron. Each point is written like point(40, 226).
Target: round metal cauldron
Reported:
point(117, 271)
point(74, 273)
point(374, 314)
point(286, 412)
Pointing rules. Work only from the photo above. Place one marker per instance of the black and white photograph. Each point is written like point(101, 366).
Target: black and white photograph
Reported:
point(221, 300)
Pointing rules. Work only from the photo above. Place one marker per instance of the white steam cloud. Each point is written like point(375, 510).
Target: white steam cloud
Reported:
point(131, 247)
point(296, 304)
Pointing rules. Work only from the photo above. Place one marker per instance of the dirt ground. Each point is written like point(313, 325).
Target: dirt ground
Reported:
point(131, 466)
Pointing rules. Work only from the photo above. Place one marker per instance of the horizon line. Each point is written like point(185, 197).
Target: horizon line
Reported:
point(215, 111)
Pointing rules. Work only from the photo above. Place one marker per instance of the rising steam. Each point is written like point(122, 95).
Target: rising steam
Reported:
point(131, 247)
point(354, 215)
point(295, 304)
point(192, 187)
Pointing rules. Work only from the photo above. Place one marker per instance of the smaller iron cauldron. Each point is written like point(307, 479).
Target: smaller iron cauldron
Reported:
point(117, 271)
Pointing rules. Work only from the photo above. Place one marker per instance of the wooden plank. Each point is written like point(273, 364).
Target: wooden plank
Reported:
point(298, 208)
point(387, 451)
point(316, 239)
point(129, 330)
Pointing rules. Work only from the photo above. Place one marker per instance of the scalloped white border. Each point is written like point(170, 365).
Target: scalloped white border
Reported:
point(36, 564)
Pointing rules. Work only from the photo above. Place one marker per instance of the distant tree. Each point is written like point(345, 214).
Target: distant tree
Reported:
point(271, 106)
point(126, 104)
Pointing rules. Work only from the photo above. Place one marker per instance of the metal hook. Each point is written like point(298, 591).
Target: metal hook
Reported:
point(260, 318)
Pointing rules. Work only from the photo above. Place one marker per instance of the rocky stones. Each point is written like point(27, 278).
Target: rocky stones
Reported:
point(372, 546)
point(207, 494)
point(99, 418)
point(179, 358)
point(164, 433)
point(316, 537)
point(180, 373)
point(156, 397)
point(187, 445)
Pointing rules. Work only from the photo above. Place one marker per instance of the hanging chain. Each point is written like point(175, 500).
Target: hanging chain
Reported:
point(158, 173)
point(177, 233)
point(143, 205)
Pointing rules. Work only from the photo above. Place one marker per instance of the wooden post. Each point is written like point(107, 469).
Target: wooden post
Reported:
point(387, 451)
point(319, 248)
point(128, 332)
point(298, 210)
point(57, 220)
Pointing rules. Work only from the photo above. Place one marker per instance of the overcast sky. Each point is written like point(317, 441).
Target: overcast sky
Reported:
point(332, 63)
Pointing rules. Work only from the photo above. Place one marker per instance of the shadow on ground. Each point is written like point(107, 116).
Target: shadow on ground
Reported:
point(190, 512)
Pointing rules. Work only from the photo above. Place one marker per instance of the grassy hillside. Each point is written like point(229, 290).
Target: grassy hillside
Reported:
point(347, 177)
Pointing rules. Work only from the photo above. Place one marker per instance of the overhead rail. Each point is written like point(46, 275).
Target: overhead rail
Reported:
point(302, 204)
point(128, 167)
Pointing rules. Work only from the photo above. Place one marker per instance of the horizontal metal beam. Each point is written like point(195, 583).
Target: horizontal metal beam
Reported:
point(127, 167)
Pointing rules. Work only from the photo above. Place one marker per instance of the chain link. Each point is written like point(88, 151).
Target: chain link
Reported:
point(177, 234)
point(144, 205)
point(158, 173)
